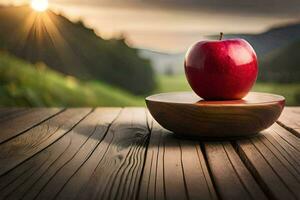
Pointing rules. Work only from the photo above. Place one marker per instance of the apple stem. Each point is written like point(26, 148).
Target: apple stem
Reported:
point(221, 36)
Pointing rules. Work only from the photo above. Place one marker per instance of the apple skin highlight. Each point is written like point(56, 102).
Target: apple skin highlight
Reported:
point(221, 70)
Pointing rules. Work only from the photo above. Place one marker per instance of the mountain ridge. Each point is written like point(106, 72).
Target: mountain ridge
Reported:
point(274, 38)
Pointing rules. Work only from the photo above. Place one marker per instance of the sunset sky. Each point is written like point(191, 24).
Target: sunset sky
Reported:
point(172, 25)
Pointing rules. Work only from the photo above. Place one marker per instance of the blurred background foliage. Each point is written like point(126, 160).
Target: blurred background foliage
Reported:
point(73, 49)
point(64, 63)
point(24, 84)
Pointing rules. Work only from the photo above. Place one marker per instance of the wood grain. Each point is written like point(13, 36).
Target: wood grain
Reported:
point(273, 158)
point(290, 119)
point(174, 169)
point(20, 148)
point(115, 153)
point(228, 172)
point(10, 112)
point(186, 114)
point(113, 170)
point(15, 121)
point(56, 165)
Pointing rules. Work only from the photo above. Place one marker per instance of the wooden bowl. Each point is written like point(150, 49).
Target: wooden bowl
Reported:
point(185, 113)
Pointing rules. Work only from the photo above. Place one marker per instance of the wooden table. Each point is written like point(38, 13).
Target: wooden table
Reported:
point(114, 153)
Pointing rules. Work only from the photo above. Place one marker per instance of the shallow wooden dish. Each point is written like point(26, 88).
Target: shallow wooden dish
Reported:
point(187, 114)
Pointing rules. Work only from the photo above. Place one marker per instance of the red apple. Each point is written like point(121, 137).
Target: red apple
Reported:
point(221, 70)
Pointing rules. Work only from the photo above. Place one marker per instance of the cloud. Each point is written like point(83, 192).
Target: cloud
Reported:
point(255, 7)
point(172, 25)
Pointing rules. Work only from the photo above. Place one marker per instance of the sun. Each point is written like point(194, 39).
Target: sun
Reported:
point(39, 5)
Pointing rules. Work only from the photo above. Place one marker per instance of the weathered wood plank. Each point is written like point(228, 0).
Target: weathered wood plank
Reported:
point(174, 169)
point(273, 159)
point(284, 144)
point(152, 181)
point(231, 177)
point(287, 136)
point(290, 119)
point(60, 161)
point(100, 155)
point(20, 148)
point(113, 170)
point(8, 112)
point(20, 120)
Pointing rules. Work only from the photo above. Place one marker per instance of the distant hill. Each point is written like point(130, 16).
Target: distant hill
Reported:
point(270, 40)
point(24, 84)
point(282, 65)
point(73, 49)
point(164, 63)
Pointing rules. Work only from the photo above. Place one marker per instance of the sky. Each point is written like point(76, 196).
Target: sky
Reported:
point(173, 25)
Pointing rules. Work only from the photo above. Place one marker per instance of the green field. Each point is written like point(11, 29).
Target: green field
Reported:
point(23, 84)
point(290, 91)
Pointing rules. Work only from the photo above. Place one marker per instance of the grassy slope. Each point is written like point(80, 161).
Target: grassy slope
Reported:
point(23, 84)
point(179, 83)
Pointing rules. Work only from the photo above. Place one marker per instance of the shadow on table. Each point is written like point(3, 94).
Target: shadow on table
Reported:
point(125, 134)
